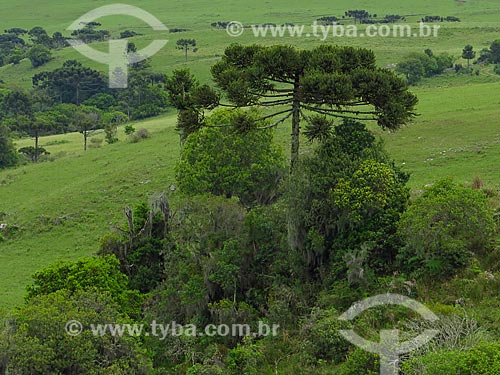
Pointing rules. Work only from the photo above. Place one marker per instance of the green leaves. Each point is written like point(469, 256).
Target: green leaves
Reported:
point(219, 159)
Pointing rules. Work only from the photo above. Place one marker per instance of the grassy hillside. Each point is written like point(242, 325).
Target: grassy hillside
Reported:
point(62, 207)
point(479, 27)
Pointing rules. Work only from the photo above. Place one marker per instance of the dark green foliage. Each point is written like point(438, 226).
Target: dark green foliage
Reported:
point(145, 96)
point(219, 160)
point(8, 154)
point(32, 153)
point(186, 45)
point(89, 34)
point(419, 65)
point(189, 98)
point(39, 55)
point(495, 52)
point(129, 129)
point(72, 83)
point(92, 273)
point(468, 53)
point(128, 34)
point(483, 359)
point(345, 197)
point(443, 229)
point(38, 344)
point(328, 80)
point(358, 14)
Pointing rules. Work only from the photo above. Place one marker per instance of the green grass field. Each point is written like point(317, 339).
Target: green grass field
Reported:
point(63, 206)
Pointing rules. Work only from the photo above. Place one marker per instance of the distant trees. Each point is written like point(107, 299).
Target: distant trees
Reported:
point(495, 52)
point(72, 83)
point(87, 120)
point(358, 14)
point(186, 45)
point(8, 154)
point(336, 82)
point(39, 55)
point(418, 65)
point(468, 53)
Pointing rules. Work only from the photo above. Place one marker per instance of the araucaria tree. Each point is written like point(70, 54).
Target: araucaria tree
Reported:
point(185, 45)
point(468, 53)
point(328, 81)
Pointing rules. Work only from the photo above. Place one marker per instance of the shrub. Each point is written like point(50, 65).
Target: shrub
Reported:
point(444, 228)
point(95, 142)
point(223, 161)
point(484, 359)
point(140, 135)
point(129, 129)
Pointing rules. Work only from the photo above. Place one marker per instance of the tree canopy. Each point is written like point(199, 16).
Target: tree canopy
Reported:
point(339, 82)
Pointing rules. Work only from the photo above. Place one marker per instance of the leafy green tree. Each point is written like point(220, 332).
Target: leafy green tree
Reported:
point(38, 344)
point(468, 53)
point(72, 83)
point(443, 229)
point(87, 120)
point(58, 40)
point(33, 153)
point(39, 55)
point(8, 154)
point(345, 198)
point(17, 105)
point(145, 95)
point(221, 161)
point(495, 52)
point(413, 69)
point(42, 123)
point(92, 273)
point(328, 80)
point(186, 45)
point(38, 35)
point(358, 14)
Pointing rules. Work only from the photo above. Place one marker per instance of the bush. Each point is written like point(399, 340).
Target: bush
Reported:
point(497, 69)
point(8, 154)
point(223, 161)
point(443, 229)
point(140, 135)
point(129, 129)
point(95, 142)
point(484, 359)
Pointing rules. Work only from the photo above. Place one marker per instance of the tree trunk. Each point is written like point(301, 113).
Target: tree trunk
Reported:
point(36, 145)
point(85, 140)
point(186, 53)
point(295, 126)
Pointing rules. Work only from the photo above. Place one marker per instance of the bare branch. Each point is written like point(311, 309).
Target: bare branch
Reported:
point(276, 123)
